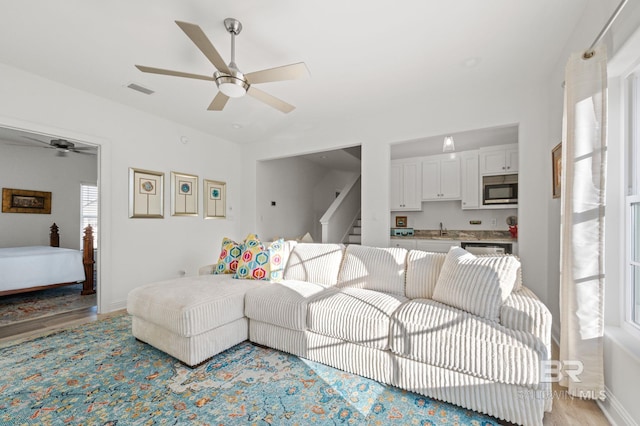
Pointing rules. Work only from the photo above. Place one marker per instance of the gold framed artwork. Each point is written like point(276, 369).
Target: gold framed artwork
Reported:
point(184, 194)
point(146, 189)
point(25, 201)
point(401, 221)
point(214, 199)
point(556, 166)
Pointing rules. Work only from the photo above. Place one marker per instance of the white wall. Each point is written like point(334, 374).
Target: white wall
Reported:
point(132, 251)
point(452, 216)
point(290, 183)
point(302, 190)
point(466, 108)
point(38, 169)
point(622, 352)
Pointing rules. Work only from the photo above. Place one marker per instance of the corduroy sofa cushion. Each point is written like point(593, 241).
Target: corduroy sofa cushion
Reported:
point(354, 314)
point(427, 331)
point(315, 263)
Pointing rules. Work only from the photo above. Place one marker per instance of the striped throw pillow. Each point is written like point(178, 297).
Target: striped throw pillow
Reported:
point(478, 285)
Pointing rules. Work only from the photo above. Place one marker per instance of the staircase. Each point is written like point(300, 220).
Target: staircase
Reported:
point(355, 236)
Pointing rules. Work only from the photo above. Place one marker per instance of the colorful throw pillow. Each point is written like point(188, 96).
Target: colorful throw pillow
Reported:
point(229, 257)
point(254, 261)
point(277, 259)
point(478, 285)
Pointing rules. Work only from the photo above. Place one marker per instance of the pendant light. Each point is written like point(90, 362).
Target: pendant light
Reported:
point(448, 145)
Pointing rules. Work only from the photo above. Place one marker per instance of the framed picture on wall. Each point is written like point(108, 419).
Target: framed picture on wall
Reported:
point(556, 166)
point(401, 221)
point(25, 201)
point(146, 189)
point(184, 194)
point(214, 199)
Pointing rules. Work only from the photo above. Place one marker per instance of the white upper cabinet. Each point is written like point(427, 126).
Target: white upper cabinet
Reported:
point(499, 160)
point(470, 180)
point(405, 185)
point(441, 177)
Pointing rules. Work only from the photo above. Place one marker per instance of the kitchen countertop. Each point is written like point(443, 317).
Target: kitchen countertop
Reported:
point(456, 235)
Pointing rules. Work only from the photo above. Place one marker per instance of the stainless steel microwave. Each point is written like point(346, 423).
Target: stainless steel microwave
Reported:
point(500, 189)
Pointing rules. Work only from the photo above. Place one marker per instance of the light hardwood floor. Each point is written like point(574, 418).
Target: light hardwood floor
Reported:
point(566, 410)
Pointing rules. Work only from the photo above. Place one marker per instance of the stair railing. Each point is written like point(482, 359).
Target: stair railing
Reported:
point(339, 217)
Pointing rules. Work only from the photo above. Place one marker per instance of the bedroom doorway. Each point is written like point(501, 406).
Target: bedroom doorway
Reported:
point(68, 170)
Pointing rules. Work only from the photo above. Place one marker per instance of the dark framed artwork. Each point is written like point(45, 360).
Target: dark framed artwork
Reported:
point(25, 201)
point(556, 167)
point(401, 221)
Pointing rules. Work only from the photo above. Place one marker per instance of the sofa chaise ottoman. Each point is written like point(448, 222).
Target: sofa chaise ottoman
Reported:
point(191, 318)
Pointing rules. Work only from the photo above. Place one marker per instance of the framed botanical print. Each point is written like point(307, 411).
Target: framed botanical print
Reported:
point(146, 189)
point(184, 194)
point(214, 199)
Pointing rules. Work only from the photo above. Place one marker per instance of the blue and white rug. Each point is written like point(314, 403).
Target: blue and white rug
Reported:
point(98, 373)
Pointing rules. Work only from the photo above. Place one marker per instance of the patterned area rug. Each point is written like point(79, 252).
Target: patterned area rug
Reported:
point(99, 374)
point(43, 303)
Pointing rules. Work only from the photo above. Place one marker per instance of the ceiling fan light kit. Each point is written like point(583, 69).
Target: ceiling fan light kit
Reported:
point(231, 82)
point(234, 85)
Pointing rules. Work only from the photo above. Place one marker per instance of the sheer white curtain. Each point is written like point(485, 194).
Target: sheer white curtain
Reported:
point(582, 224)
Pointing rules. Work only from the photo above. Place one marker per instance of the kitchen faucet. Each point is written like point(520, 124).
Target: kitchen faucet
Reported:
point(443, 231)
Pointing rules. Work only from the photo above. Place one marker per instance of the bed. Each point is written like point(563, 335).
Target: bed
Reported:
point(24, 269)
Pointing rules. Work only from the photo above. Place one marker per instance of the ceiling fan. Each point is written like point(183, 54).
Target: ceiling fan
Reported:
point(64, 146)
point(231, 82)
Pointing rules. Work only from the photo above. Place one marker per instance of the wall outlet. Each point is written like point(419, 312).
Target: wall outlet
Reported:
point(494, 221)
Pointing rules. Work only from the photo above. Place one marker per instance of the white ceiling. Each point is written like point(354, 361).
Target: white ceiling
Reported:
point(364, 56)
point(347, 160)
point(463, 141)
point(22, 139)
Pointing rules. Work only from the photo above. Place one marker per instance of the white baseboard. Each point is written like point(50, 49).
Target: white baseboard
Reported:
point(614, 411)
point(114, 306)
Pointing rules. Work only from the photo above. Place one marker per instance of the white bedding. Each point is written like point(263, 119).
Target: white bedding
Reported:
point(24, 267)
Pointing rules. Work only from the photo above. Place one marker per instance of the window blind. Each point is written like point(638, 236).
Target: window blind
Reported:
point(89, 211)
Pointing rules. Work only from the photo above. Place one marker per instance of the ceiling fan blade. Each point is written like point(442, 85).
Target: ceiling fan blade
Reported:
point(218, 102)
point(285, 72)
point(39, 141)
point(153, 70)
point(270, 100)
point(200, 39)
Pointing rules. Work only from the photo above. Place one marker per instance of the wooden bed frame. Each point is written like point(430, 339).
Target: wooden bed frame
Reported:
point(87, 260)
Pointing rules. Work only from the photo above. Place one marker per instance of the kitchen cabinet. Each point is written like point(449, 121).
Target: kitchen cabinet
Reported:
point(436, 246)
point(405, 186)
point(499, 159)
point(470, 180)
point(441, 177)
point(403, 243)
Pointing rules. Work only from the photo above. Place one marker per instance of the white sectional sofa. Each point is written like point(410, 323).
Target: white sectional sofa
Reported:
point(376, 312)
